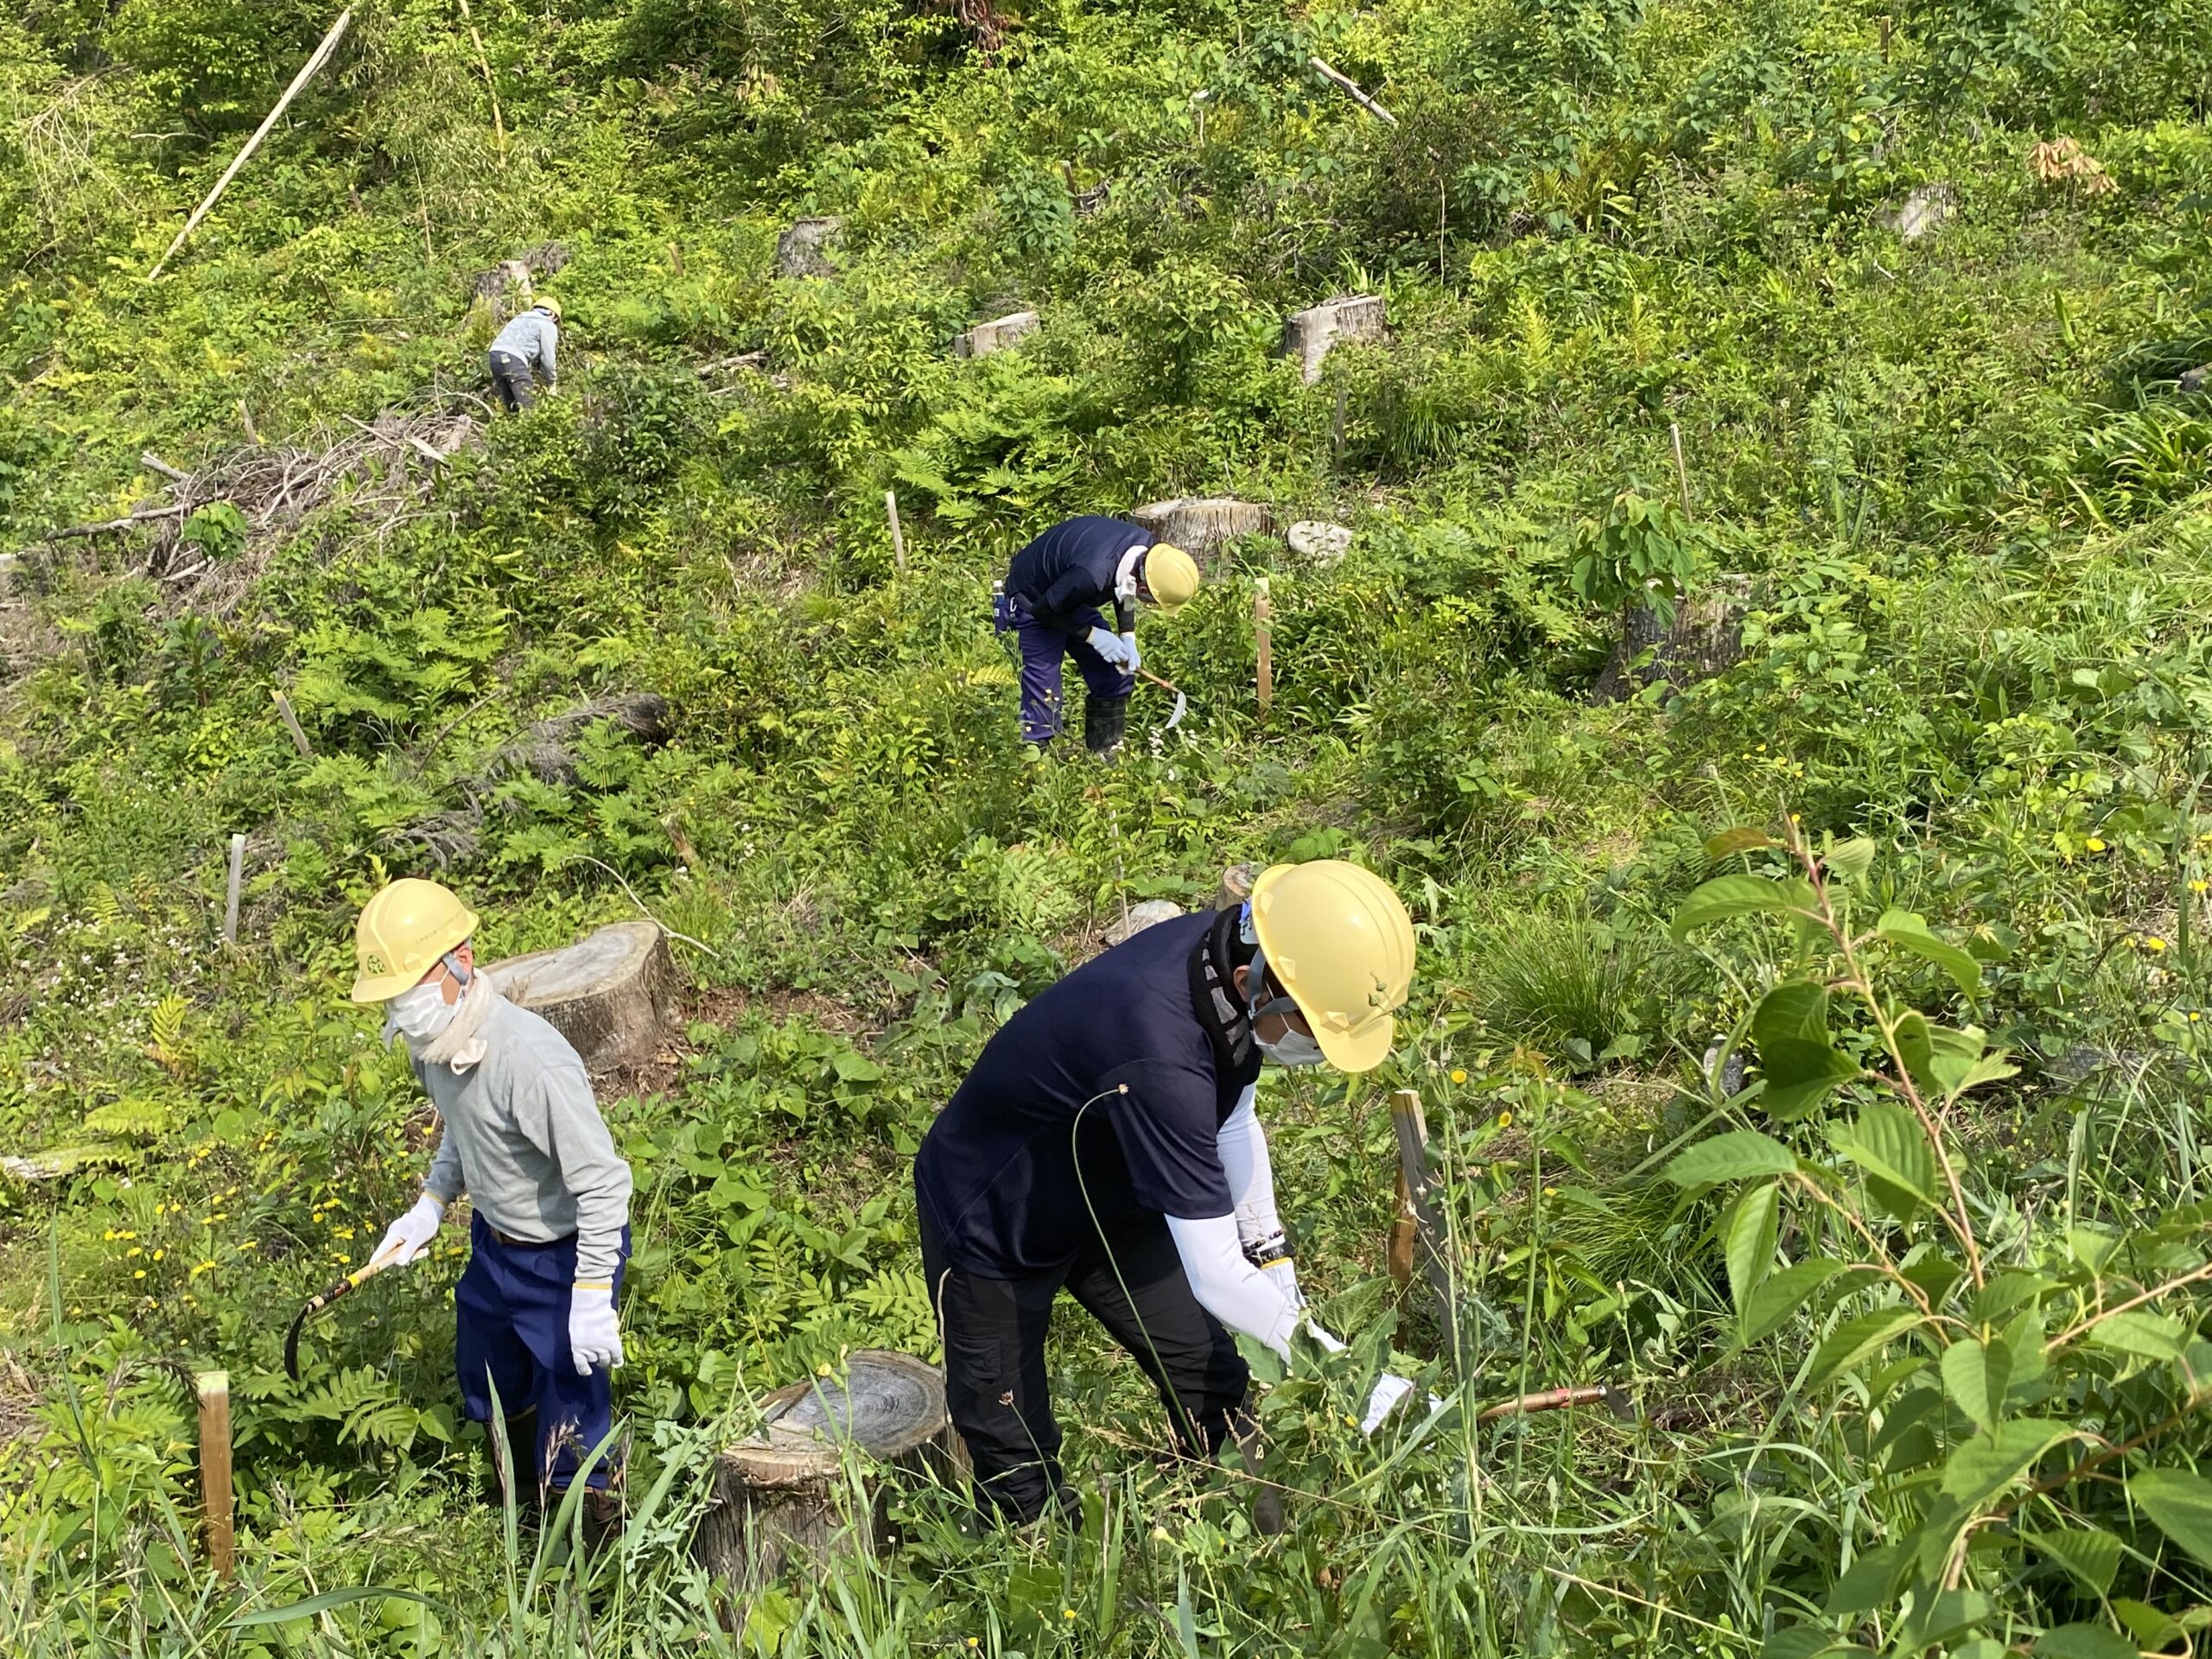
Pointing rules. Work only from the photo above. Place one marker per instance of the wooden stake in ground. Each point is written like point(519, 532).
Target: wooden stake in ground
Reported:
point(321, 56)
point(1682, 472)
point(1411, 1125)
point(231, 905)
point(215, 1469)
point(898, 540)
point(292, 725)
point(1263, 644)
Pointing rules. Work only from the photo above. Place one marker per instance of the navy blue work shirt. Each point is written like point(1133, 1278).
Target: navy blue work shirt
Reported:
point(1042, 1137)
point(1068, 572)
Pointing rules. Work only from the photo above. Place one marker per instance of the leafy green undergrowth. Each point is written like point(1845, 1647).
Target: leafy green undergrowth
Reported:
point(649, 646)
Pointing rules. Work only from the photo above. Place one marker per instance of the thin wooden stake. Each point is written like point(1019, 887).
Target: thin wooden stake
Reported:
point(231, 905)
point(292, 725)
point(1411, 1126)
point(498, 126)
point(215, 1469)
point(1263, 644)
point(1682, 472)
point(321, 56)
point(898, 540)
point(246, 420)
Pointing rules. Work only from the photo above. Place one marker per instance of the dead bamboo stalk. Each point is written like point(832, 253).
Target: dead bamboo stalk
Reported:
point(1351, 88)
point(214, 1388)
point(321, 56)
point(498, 126)
point(292, 725)
point(1547, 1399)
point(1681, 471)
point(898, 539)
point(1263, 644)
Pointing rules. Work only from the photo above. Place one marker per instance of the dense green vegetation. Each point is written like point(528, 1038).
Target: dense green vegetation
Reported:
point(1913, 1317)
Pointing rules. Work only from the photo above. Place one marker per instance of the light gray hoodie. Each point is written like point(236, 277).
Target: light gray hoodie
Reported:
point(534, 337)
point(524, 1139)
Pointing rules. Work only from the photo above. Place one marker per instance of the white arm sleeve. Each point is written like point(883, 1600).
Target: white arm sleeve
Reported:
point(1229, 1287)
point(1243, 1146)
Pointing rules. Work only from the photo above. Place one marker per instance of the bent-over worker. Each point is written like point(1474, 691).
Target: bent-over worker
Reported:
point(534, 1312)
point(1106, 1142)
point(530, 345)
point(1053, 594)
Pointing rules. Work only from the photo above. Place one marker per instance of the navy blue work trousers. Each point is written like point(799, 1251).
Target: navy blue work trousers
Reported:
point(1042, 647)
point(511, 1332)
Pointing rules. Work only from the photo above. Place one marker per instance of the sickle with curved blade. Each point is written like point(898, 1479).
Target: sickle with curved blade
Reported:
point(346, 1286)
point(1182, 703)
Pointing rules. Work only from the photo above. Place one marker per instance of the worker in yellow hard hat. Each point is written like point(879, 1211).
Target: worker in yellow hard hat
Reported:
point(535, 1324)
point(1106, 1143)
point(527, 348)
point(1053, 601)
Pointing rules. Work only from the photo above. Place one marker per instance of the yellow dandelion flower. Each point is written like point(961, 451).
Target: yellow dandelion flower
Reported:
point(1067, 1612)
point(1505, 1120)
point(1458, 1074)
point(2199, 885)
point(2154, 943)
point(139, 1273)
point(2095, 844)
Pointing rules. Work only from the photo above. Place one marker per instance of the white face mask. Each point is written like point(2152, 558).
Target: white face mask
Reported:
point(1296, 1048)
point(419, 1014)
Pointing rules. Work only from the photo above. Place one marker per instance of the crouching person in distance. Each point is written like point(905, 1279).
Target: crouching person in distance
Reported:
point(1051, 599)
point(1105, 1143)
point(534, 1312)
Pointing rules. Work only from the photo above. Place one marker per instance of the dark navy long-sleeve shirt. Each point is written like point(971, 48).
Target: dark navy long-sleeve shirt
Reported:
point(1067, 574)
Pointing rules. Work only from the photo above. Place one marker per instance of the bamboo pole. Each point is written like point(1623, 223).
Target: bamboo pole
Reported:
point(898, 539)
point(1682, 472)
point(231, 905)
point(1263, 644)
point(321, 56)
point(214, 1388)
point(498, 126)
point(1351, 88)
point(292, 725)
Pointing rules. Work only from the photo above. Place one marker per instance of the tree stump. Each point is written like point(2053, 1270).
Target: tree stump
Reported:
point(997, 334)
point(1199, 525)
point(1307, 336)
point(1707, 638)
point(1924, 212)
point(1150, 913)
point(612, 994)
point(800, 250)
point(784, 1495)
point(1235, 886)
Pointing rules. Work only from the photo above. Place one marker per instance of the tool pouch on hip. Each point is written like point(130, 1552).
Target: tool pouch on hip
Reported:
point(1003, 620)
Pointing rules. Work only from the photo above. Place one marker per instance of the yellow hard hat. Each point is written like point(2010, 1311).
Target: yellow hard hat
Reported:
point(546, 302)
point(1172, 575)
point(1339, 941)
point(403, 932)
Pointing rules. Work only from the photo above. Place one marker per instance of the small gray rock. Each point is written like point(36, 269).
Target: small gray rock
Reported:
point(800, 250)
point(1319, 540)
point(1150, 913)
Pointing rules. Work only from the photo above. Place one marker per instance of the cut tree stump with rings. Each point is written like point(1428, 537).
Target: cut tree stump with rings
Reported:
point(611, 994)
point(814, 1484)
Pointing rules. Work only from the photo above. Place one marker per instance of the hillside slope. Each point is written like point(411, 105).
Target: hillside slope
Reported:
point(1957, 472)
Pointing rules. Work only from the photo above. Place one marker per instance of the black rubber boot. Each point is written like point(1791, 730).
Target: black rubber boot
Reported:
point(602, 1520)
point(1104, 720)
point(522, 1450)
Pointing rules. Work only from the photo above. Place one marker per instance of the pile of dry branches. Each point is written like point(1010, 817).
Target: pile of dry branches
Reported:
point(381, 469)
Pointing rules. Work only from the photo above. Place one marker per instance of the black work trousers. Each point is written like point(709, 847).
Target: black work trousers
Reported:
point(514, 380)
point(994, 1332)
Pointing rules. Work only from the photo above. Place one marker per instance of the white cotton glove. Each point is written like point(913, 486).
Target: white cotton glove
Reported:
point(595, 1335)
point(1129, 642)
point(1109, 645)
point(1284, 1273)
point(409, 1236)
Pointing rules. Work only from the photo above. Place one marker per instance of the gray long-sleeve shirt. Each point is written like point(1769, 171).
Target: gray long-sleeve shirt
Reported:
point(535, 338)
point(524, 1137)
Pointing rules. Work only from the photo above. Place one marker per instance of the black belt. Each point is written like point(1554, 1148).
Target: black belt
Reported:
point(514, 1243)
